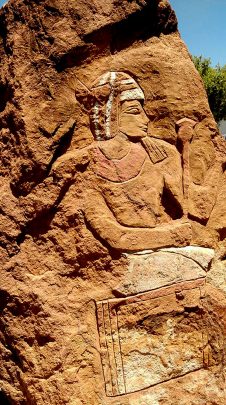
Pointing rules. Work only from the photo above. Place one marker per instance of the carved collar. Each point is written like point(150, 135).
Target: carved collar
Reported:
point(120, 170)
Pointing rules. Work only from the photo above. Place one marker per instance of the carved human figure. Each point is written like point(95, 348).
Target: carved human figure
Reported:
point(132, 194)
point(137, 184)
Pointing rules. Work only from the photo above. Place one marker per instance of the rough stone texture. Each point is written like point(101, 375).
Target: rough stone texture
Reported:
point(142, 339)
point(60, 252)
point(152, 270)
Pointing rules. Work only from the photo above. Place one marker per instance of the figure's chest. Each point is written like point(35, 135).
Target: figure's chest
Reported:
point(136, 202)
point(132, 187)
point(145, 186)
point(119, 170)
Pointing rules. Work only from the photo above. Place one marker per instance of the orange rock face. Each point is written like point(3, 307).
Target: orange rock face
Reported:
point(112, 207)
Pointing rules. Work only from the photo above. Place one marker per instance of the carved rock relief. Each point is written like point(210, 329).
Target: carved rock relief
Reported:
point(152, 337)
point(135, 356)
point(132, 172)
point(143, 186)
point(149, 270)
point(98, 199)
point(134, 177)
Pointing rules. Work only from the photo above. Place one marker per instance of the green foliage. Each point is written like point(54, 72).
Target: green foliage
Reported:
point(214, 80)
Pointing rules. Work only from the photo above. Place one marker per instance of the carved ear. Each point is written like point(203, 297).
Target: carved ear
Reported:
point(84, 96)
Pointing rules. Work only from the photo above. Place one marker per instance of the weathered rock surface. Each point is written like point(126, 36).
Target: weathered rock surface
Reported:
point(152, 270)
point(72, 205)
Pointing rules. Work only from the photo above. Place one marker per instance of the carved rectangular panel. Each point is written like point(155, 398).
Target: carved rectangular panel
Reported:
point(152, 337)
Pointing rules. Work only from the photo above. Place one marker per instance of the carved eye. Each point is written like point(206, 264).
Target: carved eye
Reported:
point(133, 110)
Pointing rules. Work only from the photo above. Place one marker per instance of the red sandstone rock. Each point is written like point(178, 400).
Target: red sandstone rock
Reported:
point(96, 174)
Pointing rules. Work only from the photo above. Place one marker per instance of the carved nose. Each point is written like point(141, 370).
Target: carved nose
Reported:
point(146, 120)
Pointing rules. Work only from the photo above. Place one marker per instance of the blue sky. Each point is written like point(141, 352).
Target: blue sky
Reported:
point(202, 24)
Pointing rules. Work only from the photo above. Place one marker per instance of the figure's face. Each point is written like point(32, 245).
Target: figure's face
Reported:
point(133, 120)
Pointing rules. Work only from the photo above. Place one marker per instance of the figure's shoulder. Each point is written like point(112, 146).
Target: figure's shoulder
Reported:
point(159, 150)
point(164, 144)
point(73, 161)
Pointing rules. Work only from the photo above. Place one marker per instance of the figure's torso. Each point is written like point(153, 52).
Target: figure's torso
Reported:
point(133, 186)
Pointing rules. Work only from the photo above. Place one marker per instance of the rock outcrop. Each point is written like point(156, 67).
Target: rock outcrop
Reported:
point(112, 206)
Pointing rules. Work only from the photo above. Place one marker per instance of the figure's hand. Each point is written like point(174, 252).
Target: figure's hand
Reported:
point(186, 129)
